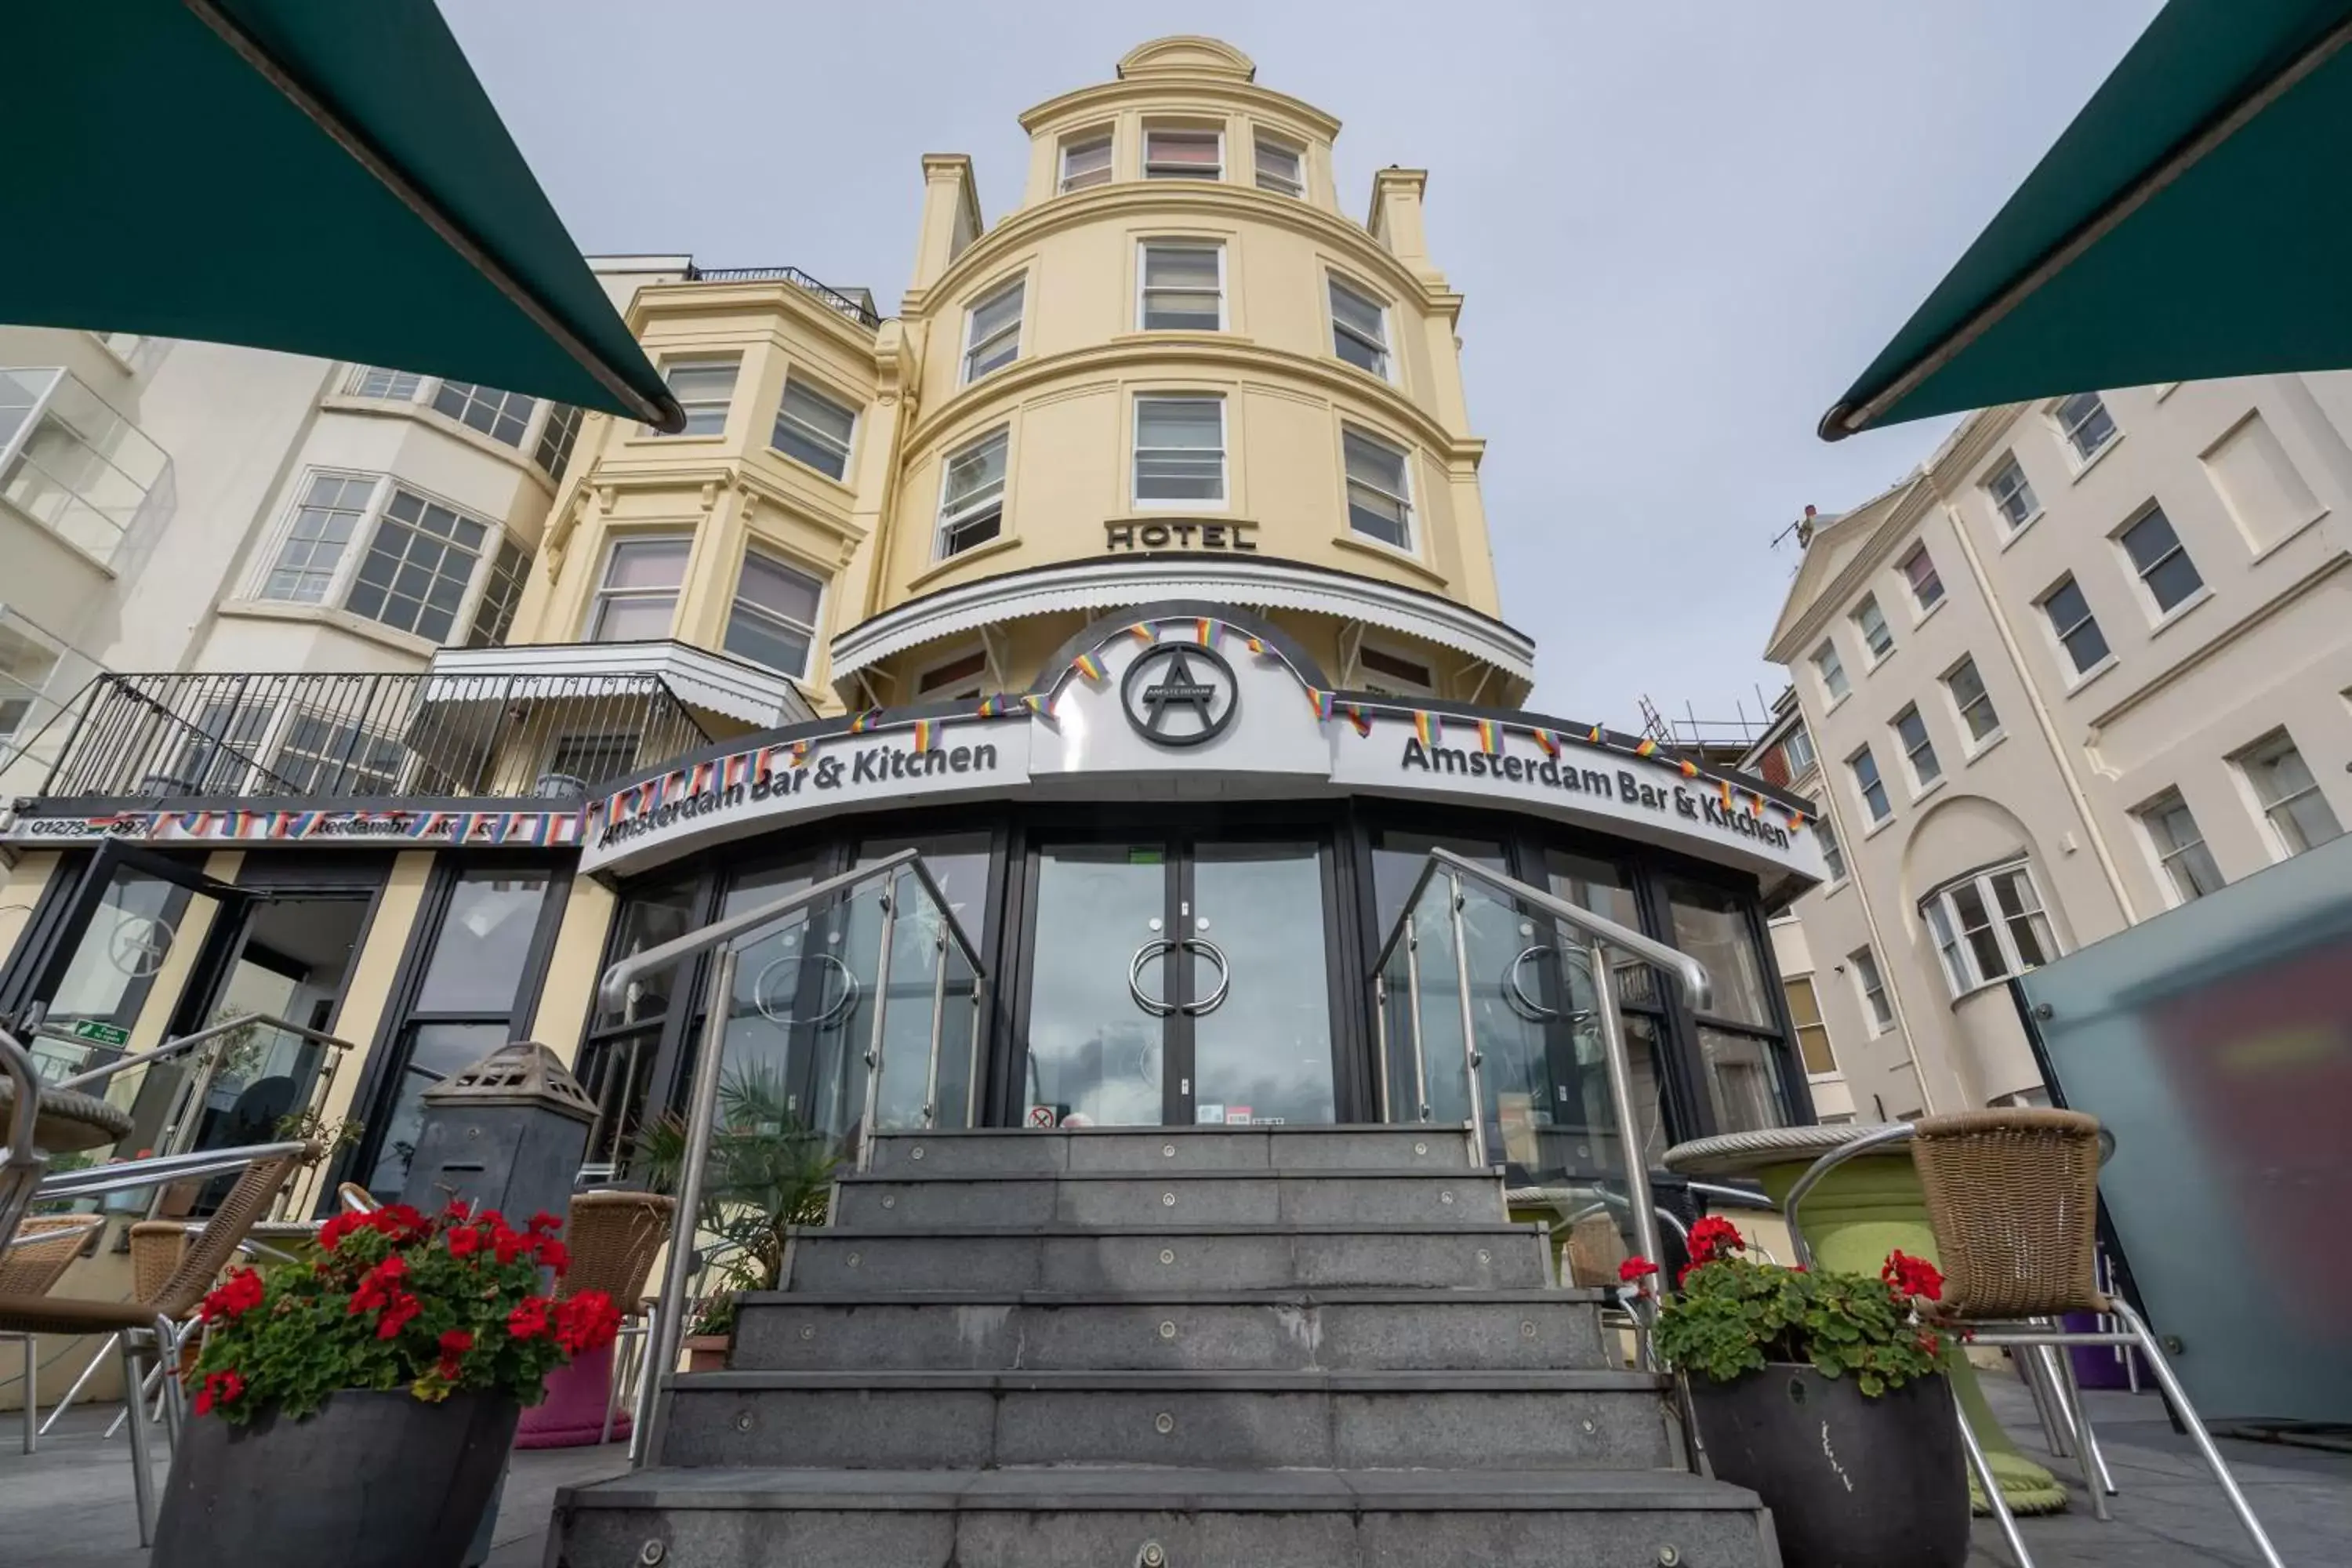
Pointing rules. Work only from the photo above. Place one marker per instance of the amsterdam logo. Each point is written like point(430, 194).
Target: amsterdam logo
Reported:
point(1180, 694)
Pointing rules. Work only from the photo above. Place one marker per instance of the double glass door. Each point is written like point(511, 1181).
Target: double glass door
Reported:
point(1178, 981)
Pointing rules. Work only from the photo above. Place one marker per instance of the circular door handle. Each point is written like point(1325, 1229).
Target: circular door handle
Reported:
point(1143, 955)
point(1516, 992)
point(1216, 955)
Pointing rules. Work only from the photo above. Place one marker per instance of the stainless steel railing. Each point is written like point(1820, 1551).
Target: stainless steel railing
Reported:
point(1603, 936)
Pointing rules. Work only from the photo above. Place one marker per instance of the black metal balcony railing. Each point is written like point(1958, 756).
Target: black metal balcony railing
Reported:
point(858, 307)
point(338, 736)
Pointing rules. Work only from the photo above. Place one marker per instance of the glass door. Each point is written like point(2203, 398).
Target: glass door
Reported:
point(1179, 981)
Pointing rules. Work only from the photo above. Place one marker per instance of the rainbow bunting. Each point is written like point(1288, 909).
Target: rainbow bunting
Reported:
point(501, 823)
point(737, 771)
point(1087, 665)
point(1207, 630)
point(922, 734)
point(990, 706)
point(436, 822)
point(700, 780)
point(1796, 820)
point(800, 754)
point(281, 824)
point(1725, 786)
point(1690, 769)
point(1592, 736)
point(1042, 706)
point(1546, 741)
point(1143, 634)
point(1648, 747)
point(1256, 644)
point(1427, 727)
point(238, 822)
point(533, 828)
point(1323, 702)
point(1360, 718)
point(864, 721)
point(1490, 737)
point(570, 828)
point(1755, 805)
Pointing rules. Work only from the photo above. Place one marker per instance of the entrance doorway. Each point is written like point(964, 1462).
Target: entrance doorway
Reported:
point(1178, 981)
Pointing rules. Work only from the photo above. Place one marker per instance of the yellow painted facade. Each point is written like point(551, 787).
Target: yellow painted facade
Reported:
point(1066, 403)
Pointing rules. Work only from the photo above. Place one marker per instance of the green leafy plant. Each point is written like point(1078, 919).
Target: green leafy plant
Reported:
point(767, 1172)
point(397, 1300)
point(1734, 1315)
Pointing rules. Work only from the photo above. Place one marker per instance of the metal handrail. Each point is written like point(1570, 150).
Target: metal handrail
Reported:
point(94, 1179)
point(186, 1043)
point(613, 988)
point(1602, 934)
point(21, 1165)
point(664, 1334)
point(1689, 971)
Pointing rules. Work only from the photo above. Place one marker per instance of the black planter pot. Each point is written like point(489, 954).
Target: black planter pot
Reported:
point(373, 1480)
point(1852, 1482)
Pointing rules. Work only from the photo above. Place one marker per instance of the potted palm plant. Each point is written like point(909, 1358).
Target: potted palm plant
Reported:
point(767, 1172)
point(1822, 1393)
point(359, 1411)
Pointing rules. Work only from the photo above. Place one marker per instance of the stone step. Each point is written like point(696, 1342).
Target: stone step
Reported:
point(1117, 1260)
point(1184, 1518)
point(1170, 1199)
point(1362, 1330)
point(1015, 1151)
point(1449, 1420)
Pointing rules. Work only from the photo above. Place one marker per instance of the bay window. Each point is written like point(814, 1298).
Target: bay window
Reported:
point(637, 598)
point(1987, 926)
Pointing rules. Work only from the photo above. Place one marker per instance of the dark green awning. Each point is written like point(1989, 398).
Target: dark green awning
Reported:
point(324, 177)
point(2194, 221)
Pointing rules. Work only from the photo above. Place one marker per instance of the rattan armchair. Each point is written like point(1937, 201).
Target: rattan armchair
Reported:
point(33, 1262)
point(614, 1238)
point(148, 1325)
point(2013, 1199)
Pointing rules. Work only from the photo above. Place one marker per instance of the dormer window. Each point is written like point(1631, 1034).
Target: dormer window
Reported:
point(1281, 165)
point(1175, 152)
point(1086, 161)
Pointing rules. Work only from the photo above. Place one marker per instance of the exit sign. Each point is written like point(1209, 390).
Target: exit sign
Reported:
point(90, 1029)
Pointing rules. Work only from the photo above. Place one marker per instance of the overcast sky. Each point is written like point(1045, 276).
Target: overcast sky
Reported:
point(1683, 228)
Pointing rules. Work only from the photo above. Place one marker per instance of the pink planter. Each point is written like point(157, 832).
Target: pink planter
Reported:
point(573, 1414)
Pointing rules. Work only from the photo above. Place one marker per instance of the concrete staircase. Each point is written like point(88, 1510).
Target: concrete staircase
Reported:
point(1287, 1348)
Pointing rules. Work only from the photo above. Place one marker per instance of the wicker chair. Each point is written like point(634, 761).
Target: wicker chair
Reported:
point(614, 1238)
point(164, 1292)
point(2013, 1199)
point(36, 1257)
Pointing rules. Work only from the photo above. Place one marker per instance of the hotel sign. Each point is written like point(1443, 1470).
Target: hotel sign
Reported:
point(1179, 534)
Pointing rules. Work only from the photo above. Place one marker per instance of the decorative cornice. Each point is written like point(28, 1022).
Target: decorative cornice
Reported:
point(1165, 355)
point(1081, 103)
point(655, 301)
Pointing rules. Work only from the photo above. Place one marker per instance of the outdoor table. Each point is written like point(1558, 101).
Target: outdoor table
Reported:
point(1861, 1211)
point(68, 1123)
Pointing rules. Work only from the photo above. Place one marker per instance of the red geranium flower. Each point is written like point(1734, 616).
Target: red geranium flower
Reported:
point(465, 1241)
point(239, 1293)
point(1713, 1237)
point(529, 1322)
point(396, 1315)
point(378, 1285)
point(554, 1254)
point(1634, 1269)
point(586, 1322)
point(509, 1242)
point(546, 1224)
point(1913, 1276)
point(454, 1346)
point(220, 1388)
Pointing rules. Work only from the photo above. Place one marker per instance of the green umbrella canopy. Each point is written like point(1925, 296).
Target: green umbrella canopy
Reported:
point(325, 177)
point(2194, 221)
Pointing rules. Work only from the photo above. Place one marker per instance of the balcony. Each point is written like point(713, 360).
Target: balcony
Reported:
point(74, 467)
point(425, 734)
point(857, 304)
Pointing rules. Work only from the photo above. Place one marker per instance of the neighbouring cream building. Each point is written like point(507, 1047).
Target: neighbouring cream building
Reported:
point(2090, 661)
point(1135, 572)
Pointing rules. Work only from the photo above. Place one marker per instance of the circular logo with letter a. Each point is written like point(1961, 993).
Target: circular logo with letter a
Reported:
point(1180, 694)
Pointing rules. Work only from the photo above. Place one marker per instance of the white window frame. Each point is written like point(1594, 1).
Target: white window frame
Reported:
point(461, 616)
point(1259, 138)
point(2012, 527)
point(1921, 608)
point(1863, 787)
point(391, 382)
point(1870, 606)
point(1970, 740)
point(1411, 545)
point(599, 594)
point(1184, 171)
point(1962, 969)
point(1104, 136)
point(726, 408)
point(1135, 450)
point(1922, 780)
point(1018, 283)
point(475, 395)
point(1796, 739)
point(736, 605)
point(2158, 609)
point(1869, 985)
point(2084, 458)
point(2171, 851)
point(1832, 852)
point(2280, 829)
point(1836, 685)
point(2075, 674)
point(339, 579)
point(823, 392)
point(947, 523)
point(1144, 290)
point(1387, 349)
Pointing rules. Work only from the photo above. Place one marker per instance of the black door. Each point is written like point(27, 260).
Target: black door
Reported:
point(1178, 980)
